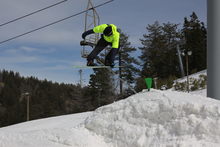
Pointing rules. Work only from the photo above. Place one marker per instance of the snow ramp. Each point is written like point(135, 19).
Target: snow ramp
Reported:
point(159, 119)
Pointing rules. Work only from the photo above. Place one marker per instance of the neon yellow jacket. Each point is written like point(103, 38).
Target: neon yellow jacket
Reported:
point(114, 38)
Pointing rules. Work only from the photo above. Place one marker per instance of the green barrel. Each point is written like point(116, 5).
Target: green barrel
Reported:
point(148, 83)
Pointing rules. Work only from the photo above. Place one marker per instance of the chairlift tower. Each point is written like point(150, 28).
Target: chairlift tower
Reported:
point(91, 20)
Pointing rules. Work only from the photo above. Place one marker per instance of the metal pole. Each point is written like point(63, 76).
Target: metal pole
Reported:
point(27, 96)
point(155, 83)
point(213, 54)
point(120, 74)
point(1, 81)
point(28, 108)
point(80, 74)
point(180, 60)
point(187, 70)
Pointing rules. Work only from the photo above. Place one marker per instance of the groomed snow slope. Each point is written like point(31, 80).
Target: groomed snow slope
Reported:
point(147, 119)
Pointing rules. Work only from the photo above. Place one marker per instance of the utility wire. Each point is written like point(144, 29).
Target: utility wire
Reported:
point(31, 13)
point(54, 22)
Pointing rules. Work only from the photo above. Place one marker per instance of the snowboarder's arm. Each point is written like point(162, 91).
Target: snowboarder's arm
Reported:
point(87, 33)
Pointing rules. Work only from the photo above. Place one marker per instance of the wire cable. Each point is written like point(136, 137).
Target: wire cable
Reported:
point(54, 22)
point(31, 13)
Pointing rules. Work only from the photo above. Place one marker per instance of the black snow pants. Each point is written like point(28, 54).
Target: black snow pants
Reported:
point(109, 59)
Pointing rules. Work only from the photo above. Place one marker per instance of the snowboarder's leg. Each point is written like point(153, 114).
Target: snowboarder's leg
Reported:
point(98, 48)
point(109, 60)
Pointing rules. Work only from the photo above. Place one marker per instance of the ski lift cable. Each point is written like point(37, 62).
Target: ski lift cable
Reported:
point(12, 38)
point(16, 19)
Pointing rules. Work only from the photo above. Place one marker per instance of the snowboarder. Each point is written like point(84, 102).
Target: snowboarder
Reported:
point(110, 36)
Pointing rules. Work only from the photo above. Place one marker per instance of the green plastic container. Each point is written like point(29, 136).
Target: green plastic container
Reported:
point(148, 83)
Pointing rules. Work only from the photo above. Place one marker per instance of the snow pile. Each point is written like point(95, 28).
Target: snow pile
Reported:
point(159, 118)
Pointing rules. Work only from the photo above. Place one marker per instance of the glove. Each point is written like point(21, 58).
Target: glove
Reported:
point(87, 33)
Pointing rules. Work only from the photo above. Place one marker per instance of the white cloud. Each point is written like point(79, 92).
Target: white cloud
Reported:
point(55, 67)
point(28, 49)
point(6, 60)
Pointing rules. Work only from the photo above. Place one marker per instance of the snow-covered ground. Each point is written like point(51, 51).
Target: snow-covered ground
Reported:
point(147, 119)
point(195, 76)
point(60, 131)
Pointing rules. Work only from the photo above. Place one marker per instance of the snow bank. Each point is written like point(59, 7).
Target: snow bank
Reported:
point(60, 131)
point(159, 118)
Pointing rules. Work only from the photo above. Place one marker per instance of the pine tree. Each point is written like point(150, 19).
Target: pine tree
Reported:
point(100, 88)
point(195, 35)
point(171, 35)
point(127, 60)
point(151, 49)
point(158, 53)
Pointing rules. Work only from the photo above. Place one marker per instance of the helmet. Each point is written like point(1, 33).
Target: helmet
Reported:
point(108, 31)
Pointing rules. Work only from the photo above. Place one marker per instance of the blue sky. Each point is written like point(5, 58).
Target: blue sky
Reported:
point(51, 52)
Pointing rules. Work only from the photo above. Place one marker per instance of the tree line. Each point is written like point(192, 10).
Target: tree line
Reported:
point(158, 59)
